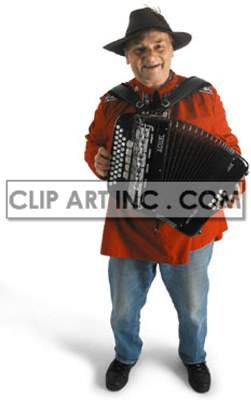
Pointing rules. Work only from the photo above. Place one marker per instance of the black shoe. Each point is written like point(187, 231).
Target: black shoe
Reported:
point(199, 377)
point(117, 375)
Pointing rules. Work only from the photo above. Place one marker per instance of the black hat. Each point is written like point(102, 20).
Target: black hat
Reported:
point(145, 19)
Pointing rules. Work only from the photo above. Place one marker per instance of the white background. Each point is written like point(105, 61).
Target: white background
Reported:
point(55, 336)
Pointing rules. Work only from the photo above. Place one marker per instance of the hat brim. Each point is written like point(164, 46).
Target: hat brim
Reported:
point(180, 39)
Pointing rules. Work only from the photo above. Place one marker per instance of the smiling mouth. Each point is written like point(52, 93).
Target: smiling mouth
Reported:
point(152, 66)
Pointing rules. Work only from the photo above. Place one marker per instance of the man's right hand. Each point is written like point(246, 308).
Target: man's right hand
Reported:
point(102, 161)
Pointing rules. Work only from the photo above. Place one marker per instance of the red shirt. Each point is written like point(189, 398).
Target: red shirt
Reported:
point(148, 238)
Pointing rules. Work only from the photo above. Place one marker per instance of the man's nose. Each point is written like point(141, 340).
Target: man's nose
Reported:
point(150, 54)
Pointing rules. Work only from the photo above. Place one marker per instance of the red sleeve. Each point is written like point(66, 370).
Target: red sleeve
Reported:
point(224, 131)
point(221, 126)
point(95, 138)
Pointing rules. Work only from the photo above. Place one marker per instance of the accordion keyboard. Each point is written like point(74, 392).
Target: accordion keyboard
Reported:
point(121, 156)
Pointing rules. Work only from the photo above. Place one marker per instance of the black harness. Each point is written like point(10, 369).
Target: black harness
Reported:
point(184, 89)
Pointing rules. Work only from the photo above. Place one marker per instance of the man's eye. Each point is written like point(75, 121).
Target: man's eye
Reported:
point(140, 50)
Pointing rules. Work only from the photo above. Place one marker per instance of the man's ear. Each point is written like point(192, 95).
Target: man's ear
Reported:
point(127, 58)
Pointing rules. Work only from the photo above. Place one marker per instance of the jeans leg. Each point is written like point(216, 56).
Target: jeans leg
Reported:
point(129, 281)
point(188, 287)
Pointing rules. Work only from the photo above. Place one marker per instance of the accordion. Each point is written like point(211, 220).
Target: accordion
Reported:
point(151, 148)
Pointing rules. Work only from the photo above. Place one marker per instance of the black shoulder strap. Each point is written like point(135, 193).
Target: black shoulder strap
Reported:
point(126, 93)
point(185, 88)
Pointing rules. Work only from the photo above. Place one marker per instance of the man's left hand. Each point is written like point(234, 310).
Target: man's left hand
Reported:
point(233, 200)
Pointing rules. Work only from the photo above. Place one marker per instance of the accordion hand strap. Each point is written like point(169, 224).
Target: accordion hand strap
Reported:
point(185, 88)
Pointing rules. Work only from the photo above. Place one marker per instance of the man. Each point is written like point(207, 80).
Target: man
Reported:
point(137, 245)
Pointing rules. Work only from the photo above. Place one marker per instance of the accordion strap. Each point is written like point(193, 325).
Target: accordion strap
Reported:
point(126, 93)
point(185, 88)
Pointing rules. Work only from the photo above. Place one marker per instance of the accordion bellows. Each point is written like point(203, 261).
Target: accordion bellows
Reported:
point(150, 148)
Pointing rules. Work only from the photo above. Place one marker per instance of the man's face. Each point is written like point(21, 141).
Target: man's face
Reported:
point(150, 58)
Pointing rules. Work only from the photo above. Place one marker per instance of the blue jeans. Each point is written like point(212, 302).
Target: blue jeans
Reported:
point(187, 285)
